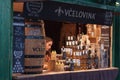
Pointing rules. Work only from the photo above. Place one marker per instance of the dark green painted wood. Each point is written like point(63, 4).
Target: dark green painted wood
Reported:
point(88, 3)
point(116, 43)
point(5, 40)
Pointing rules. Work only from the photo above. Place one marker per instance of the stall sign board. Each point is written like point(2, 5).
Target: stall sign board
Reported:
point(51, 10)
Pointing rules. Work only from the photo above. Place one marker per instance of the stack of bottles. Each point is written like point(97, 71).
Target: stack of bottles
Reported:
point(79, 54)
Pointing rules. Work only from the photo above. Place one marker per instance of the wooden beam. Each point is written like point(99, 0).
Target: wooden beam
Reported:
point(6, 39)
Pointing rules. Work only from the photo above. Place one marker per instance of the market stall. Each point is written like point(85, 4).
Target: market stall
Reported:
point(84, 47)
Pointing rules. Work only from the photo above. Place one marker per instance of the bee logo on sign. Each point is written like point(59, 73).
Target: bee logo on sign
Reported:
point(59, 11)
point(34, 8)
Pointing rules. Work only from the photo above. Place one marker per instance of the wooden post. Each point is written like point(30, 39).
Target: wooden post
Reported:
point(116, 43)
point(6, 39)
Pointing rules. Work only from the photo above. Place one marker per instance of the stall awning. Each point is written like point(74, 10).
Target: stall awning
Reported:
point(29, 0)
point(58, 11)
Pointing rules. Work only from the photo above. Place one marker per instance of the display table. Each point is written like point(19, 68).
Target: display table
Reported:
point(93, 74)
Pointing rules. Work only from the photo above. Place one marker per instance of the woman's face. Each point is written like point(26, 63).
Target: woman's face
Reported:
point(48, 45)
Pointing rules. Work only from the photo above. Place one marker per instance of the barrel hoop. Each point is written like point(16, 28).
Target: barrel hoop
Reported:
point(38, 72)
point(32, 67)
point(34, 56)
point(34, 37)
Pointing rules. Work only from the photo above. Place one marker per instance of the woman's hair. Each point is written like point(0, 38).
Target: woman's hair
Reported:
point(48, 39)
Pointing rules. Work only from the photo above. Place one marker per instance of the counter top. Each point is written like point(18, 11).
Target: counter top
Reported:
point(70, 75)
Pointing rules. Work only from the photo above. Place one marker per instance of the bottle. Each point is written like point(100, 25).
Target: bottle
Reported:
point(96, 61)
point(101, 43)
point(71, 65)
point(62, 66)
point(89, 59)
point(63, 52)
point(79, 36)
point(53, 55)
point(105, 58)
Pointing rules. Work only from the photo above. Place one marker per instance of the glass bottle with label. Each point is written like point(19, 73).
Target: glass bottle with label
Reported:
point(79, 36)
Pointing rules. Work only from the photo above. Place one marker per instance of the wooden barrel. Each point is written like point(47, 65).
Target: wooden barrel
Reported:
point(34, 47)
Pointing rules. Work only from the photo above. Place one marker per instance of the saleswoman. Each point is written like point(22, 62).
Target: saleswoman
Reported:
point(49, 43)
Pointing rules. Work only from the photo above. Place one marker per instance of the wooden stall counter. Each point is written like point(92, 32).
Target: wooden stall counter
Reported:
point(93, 74)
